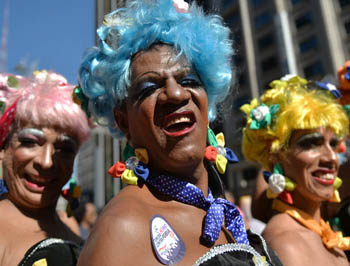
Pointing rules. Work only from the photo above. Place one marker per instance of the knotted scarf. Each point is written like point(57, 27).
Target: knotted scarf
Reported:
point(330, 238)
point(218, 209)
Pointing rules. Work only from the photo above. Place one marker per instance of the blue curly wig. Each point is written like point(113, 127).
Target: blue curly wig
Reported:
point(203, 39)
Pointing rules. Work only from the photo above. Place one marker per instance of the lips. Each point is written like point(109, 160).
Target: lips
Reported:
point(35, 184)
point(325, 177)
point(179, 124)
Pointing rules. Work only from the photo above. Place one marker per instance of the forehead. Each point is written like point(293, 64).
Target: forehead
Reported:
point(158, 58)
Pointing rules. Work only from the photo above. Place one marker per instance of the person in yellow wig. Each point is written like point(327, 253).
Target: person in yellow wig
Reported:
point(294, 132)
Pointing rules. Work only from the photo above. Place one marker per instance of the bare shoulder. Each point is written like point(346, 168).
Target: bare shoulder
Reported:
point(3, 231)
point(288, 239)
point(121, 232)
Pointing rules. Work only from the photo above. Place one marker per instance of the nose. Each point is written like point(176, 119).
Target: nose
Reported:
point(173, 92)
point(329, 155)
point(44, 157)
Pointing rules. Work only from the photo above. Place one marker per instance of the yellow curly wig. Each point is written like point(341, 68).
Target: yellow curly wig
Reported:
point(299, 108)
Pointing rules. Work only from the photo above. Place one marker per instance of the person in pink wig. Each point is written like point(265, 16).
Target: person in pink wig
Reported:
point(41, 130)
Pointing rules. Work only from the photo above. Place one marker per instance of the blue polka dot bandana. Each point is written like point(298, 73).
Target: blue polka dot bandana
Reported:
point(217, 209)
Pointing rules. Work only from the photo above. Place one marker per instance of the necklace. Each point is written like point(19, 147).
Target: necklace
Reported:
point(330, 238)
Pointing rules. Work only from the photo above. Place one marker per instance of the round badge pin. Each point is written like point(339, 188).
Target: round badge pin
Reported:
point(167, 244)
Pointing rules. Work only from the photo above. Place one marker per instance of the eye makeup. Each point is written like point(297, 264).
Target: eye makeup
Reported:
point(30, 132)
point(30, 136)
point(190, 80)
point(148, 82)
point(315, 139)
point(308, 141)
point(145, 87)
point(68, 143)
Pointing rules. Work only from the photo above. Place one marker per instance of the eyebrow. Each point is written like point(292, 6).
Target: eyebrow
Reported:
point(41, 134)
point(184, 68)
point(309, 136)
point(65, 138)
point(31, 131)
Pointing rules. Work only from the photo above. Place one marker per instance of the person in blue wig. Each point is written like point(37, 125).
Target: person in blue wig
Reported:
point(157, 75)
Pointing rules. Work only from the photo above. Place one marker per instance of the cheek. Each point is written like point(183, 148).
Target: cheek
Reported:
point(66, 164)
point(142, 120)
point(297, 164)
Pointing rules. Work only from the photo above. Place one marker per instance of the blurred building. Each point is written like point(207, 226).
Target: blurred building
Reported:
point(271, 38)
point(101, 151)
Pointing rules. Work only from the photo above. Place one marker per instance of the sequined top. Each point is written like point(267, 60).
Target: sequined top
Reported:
point(257, 253)
point(52, 252)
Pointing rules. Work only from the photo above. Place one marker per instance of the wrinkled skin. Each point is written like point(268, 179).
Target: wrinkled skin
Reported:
point(162, 91)
point(167, 113)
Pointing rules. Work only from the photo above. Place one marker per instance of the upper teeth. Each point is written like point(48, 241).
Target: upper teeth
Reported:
point(327, 176)
point(178, 120)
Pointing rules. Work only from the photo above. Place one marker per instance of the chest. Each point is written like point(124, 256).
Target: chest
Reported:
point(318, 254)
point(188, 225)
point(15, 244)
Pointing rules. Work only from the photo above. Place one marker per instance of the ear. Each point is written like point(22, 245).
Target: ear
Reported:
point(121, 118)
point(2, 154)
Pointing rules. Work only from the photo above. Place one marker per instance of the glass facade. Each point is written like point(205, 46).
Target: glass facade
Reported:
point(304, 20)
point(263, 19)
point(314, 70)
point(308, 45)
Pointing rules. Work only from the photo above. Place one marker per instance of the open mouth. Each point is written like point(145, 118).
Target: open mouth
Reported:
point(325, 178)
point(179, 124)
point(34, 184)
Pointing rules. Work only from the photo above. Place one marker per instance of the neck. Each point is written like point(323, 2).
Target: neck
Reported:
point(196, 175)
point(312, 208)
point(40, 214)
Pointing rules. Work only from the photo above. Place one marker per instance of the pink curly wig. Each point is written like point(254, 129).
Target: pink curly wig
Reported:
point(45, 100)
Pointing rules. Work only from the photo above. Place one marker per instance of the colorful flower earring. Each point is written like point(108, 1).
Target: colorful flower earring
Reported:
point(336, 197)
point(135, 166)
point(72, 195)
point(3, 187)
point(279, 185)
point(218, 153)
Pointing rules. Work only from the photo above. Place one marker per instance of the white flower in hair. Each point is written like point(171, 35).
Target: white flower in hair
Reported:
point(260, 112)
point(277, 183)
point(331, 87)
point(288, 77)
point(181, 6)
point(117, 19)
point(3, 81)
point(111, 20)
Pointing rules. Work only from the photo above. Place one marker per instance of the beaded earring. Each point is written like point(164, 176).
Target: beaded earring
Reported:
point(279, 185)
point(217, 152)
point(72, 195)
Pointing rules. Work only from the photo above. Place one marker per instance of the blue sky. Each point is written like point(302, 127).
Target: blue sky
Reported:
point(47, 34)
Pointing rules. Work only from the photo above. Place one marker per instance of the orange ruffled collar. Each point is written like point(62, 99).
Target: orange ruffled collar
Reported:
point(330, 238)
